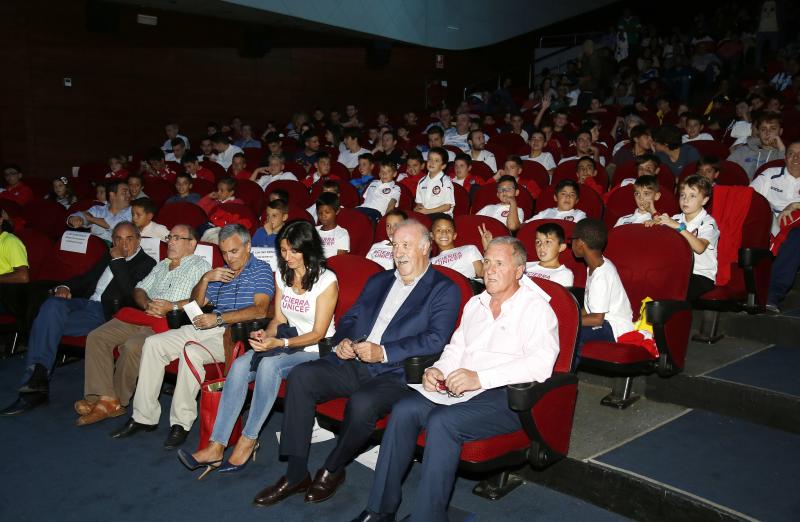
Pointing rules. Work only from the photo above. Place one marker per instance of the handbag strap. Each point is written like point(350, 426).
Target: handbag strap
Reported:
point(191, 365)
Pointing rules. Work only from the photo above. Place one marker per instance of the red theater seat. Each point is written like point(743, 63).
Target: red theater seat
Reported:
point(352, 272)
point(348, 195)
point(298, 193)
point(181, 213)
point(711, 148)
point(730, 173)
point(621, 203)
point(467, 229)
point(39, 247)
point(216, 168)
point(46, 216)
point(661, 271)
point(158, 190)
point(589, 201)
point(360, 229)
point(252, 195)
point(61, 265)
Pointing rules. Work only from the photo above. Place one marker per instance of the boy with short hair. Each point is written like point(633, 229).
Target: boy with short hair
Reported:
point(322, 170)
point(274, 172)
point(513, 167)
point(183, 189)
point(276, 215)
point(415, 169)
point(238, 168)
point(382, 194)
point(646, 192)
point(191, 165)
point(708, 167)
point(566, 196)
point(328, 185)
point(15, 189)
point(462, 172)
point(335, 239)
point(466, 260)
point(435, 191)
point(278, 194)
point(142, 212)
point(156, 167)
point(606, 312)
point(699, 229)
point(550, 242)
point(136, 186)
point(694, 129)
point(362, 174)
point(586, 171)
point(225, 193)
point(507, 212)
point(381, 252)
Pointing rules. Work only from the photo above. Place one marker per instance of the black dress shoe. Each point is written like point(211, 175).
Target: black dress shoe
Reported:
point(25, 402)
point(38, 381)
point(369, 516)
point(131, 428)
point(325, 485)
point(280, 490)
point(176, 438)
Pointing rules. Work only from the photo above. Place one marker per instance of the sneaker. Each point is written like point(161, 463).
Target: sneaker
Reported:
point(772, 308)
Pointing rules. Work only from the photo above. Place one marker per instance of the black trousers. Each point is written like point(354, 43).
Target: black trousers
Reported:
point(370, 398)
point(698, 285)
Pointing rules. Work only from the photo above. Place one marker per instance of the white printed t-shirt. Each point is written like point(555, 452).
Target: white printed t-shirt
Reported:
point(378, 195)
point(567, 215)
point(705, 227)
point(436, 191)
point(381, 253)
point(460, 259)
point(635, 218)
point(334, 240)
point(500, 212)
point(561, 275)
point(300, 309)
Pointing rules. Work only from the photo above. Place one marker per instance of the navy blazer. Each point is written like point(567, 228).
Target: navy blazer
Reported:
point(422, 326)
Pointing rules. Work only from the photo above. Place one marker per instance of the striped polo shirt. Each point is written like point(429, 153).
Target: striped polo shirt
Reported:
point(255, 278)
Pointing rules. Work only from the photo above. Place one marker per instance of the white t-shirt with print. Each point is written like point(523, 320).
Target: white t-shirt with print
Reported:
point(605, 295)
point(545, 158)
point(460, 259)
point(300, 309)
point(436, 191)
point(378, 195)
point(635, 218)
point(334, 240)
point(381, 253)
point(567, 215)
point(350, 159)
point(561, 275)
point(500, 212)
point(705, 227)
point(487, 157)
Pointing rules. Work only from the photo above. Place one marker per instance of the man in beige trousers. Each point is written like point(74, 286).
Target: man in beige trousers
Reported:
point(108, 388)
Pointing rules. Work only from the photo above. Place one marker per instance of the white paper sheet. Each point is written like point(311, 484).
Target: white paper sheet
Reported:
point(206, 252)
point(75, 241)
point(192, 310)
point(369, 458)
point(318, 434)
point(443, 398)
point(152, 247)
point(266, 254)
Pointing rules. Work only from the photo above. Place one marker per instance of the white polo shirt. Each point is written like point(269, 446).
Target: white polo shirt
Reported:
point(460, 259)
point(381, 253)
point(350, 159)
point(486, 157)
point(378, 195)
point(264, 181)
point(334, 240)
point(781, 190)
point(499, 212)
point(545, 159)
point(561, 275)
point(226, 158)
point(567, 215)
point(704, 227)
point(605, 295)
point(436, 191)
point(635, 218)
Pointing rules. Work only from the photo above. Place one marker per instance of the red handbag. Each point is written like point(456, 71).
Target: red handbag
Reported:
point(211, 395)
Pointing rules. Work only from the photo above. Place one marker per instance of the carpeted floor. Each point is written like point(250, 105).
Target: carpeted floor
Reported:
point(746, 467)
point(53, 470)
point(772, 369)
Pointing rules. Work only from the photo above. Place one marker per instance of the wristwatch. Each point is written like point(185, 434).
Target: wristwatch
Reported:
point(285, 342)
point(681, 227)
point(220, 322)
point(175, 307)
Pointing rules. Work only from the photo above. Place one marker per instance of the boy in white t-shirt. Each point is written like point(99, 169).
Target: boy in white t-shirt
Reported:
point(466, 260)
point(566, 197)
point(328, 185)
point(507, 212)
point(646, 192)
point(381, 252)
point(272, 172)
point(607, 312)
point(537, 142)
point(699, 229)
point(550, 242)
point(383, 194)
point(335, 239)
point(435, 191)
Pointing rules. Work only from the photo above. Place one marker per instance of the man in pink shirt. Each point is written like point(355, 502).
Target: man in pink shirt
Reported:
point(508, 334)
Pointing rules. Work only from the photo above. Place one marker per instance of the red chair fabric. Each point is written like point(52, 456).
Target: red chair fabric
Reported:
point(652, 262)
point(487, 195)
point(296, 213)
point(216, 168)
point(229, 213)
point(39, 247)
point(61, 265)
point(252, 195)
point(298, 193)
point(462, 200)
point(181, 213)
point(730, 173)
point(158, 190)
point(481, 170)
point(46, 216)
point(589, 201)
point(621, 203)
point(711, 148)
point(536, 172)
point(203, 186)
point(352, 272)
point(253, 157)
point(81, 205)
point(360, 228)
point(467, 229)
point(348, 195)
point(768, 165)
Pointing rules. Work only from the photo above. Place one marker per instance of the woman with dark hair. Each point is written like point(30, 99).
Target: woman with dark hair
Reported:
point(305, 297)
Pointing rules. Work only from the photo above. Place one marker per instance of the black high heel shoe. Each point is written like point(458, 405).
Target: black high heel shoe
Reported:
point(231, 468)
point(193, 464)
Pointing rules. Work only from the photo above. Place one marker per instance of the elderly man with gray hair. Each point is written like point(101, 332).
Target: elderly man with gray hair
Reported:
point(508, 334)
point(239, 291)
point(406, 312)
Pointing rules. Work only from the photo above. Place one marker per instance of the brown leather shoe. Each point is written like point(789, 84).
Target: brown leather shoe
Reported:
point(325, 485)
point(280, 490)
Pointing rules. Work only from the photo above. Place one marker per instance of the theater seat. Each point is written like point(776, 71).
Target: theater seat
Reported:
point(348, 195)
point(158, 190)
point(487, 195)
point(252, 195)
point(589, 201)
point(621, 203)
point(467, 229)
point(730, 173)
point(462, 200)
point(216, 168)
point(535, 171)
point(45, 216)
point(39, 247)
point(768, 165)
point(359, 227)
point(545, 411)
point(61, 265)
point(660, 271)
point(298, 193)
point(181, 213)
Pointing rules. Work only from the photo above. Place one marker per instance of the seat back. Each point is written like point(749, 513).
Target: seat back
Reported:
point(298, 193)
point(203, 186)
point(348, 195)
point(216, 168)
point(710, 148)
point(296, 213)
point(360, 228)
point(730, 173)
point(481, 170)
point(535, 171)
point(462, 200)
point(621, 203)
point(46, 216)
point(589, 201)
point(568, 313)
point(39, 246)
point(252, 156)
point(181, 213)
point(158, 190)
point(61, 265)
point(352, 272)
point(769, 165)
point(464, 287)
point(229, 213)
point(252, 195)
point(467, 229)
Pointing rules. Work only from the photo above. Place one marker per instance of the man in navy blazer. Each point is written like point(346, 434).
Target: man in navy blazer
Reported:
point(410, 311)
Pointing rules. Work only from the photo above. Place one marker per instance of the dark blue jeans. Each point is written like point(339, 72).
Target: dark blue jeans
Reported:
point(785, 267)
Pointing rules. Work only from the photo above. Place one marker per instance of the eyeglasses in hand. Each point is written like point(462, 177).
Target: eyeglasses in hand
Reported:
point(442, 388)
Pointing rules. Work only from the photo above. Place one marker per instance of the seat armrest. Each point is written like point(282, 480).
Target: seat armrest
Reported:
point(659, 312)
point(416, 366)
point(523, 396)
point(577, 292)
point(749, 257)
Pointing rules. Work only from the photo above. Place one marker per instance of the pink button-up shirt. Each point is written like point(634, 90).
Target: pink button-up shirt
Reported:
point(521, 345)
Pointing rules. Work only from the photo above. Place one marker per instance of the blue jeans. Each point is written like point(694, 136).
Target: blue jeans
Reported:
point(785, 267)
point(271, 370)
point(57, 317)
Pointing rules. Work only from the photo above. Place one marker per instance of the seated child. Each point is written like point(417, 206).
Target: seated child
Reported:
point(136, 186)
point(362, 174)
point(322, 171)
point(381, 252)
point(100, 197)
point(513, 167)
point(382, 194)
point(183, 189)
point(142, 212)
point(694, 129)
point(507, 212)
point(462, 173)
point(272, 172)
point(191, 165)
point(699, 229)
point(335, 239)
point(607, 312)
point(646, 192)
point(646, 165)
point(117, 167)
point(328, 185)
point(586, 170)
point(276, 215)
point(15, 190)
point(156, 167)
point(435, 191)
point(466, 260)
point(278, 194)
point(225, 193)
point(238, 168)
point(708, 167)
point(566, 197)
point(415, 169)
point(550, 242)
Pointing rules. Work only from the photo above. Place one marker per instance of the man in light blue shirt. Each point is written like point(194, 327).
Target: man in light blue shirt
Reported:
point(101, 219)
